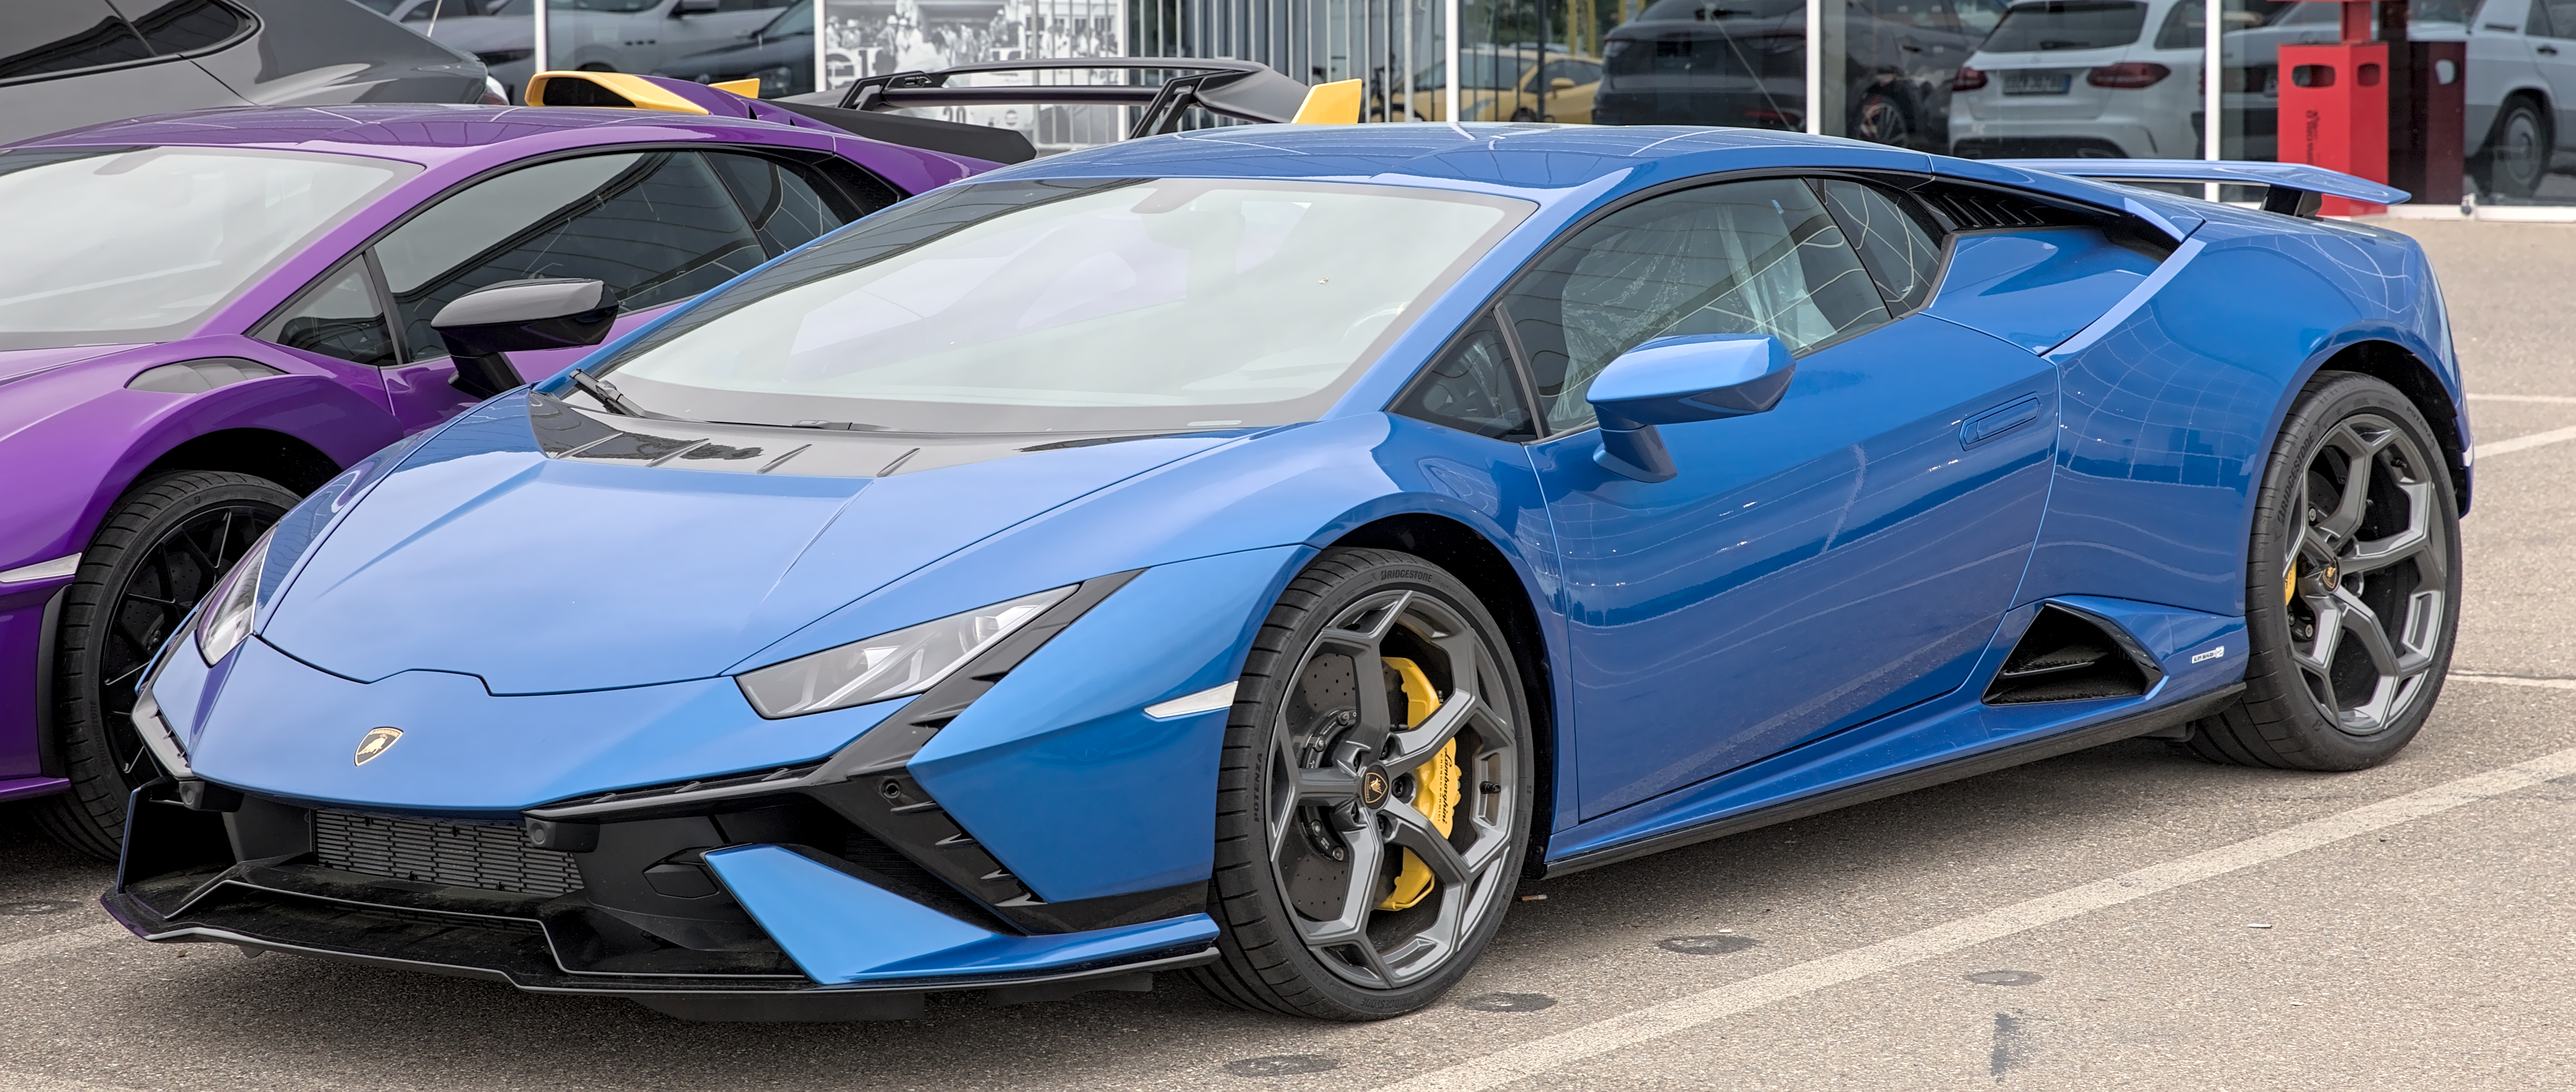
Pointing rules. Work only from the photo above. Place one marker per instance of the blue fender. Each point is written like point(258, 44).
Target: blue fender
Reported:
point(2171, 401)
point(1059, 772)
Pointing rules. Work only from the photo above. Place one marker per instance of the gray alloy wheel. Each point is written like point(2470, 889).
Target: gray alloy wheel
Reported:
point(2353, 585)
point(2516, 158)
point(158, 552)
point(1374, 798)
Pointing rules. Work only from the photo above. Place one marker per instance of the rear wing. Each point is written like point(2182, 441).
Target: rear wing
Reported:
point(736, 100)
point(2292, 189)
point(1243, 90)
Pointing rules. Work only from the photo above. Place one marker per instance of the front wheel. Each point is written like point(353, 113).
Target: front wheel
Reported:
point(1373, 801)
point(2352, 586)
point(158, 552)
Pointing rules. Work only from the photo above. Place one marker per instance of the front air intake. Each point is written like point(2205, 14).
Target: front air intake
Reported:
point(490, 856)
point(2066, 656)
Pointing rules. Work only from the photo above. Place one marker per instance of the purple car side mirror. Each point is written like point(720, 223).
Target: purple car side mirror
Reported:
point(1674, 380)
point(520, 316)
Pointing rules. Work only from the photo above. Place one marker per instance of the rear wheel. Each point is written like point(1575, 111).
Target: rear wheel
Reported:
point(1373, 801)
point(158, 552)
point(2352, 586)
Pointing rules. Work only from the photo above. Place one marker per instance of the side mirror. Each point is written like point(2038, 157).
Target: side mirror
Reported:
point(1561, 83)
point(1675, 380)
point(520, 316)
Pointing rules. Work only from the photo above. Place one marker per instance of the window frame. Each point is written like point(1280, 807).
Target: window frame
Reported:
point(250, 26)
point(822, 162)
point(266, 330)
point(1493, 306)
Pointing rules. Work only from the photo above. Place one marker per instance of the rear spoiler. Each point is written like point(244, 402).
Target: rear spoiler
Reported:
point(2294, 189)
point(1245, 90)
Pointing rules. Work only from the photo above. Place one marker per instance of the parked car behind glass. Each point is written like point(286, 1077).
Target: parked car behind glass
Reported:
point(780, 55)
point(500, 33)
point(647, 35)
point(80, 62)
point(1694, 62)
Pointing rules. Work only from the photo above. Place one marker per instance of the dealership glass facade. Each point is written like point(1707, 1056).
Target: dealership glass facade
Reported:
point(2474, 92)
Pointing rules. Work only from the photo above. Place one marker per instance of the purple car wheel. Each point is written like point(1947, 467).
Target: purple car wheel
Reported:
point(160, 550)
point(1373, 806)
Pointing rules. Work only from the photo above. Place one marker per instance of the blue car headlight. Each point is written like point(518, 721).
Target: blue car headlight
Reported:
point(906, 661)
point(227, 618)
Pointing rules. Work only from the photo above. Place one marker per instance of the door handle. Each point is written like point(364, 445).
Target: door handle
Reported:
point(1995, 422)
point(2549, 51)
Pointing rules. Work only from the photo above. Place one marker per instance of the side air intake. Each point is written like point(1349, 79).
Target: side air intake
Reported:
point(2066, 656)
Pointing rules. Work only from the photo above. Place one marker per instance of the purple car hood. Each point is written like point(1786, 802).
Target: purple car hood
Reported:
point(482, 555)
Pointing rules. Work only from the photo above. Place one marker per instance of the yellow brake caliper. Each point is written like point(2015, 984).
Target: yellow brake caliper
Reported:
point(1435, 784)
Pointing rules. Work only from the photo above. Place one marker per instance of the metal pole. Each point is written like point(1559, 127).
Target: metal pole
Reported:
point(540, 50)
point(822, 67)
point(2213, 78)
point(1816, 65)
point(1449, 96)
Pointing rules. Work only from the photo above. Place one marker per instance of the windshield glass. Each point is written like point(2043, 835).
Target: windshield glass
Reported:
point(1073, 305)
point(115, 245)
point(2067, 24)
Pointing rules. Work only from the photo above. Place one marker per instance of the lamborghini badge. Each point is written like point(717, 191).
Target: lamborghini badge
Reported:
point(377, 741)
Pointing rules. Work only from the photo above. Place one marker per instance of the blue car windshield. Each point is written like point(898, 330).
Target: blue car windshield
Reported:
point(126, 245)
point(1073, 305)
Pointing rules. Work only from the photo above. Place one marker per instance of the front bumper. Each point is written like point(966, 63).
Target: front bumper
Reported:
point(566, 944)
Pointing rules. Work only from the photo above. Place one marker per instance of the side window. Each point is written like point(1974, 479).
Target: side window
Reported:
point(1472, 387)
point(2534, 25)
point(337, 317)
point(2562, 18)
point(786, 208)
point(52, 36)
point(1759, 257)
point(1902, 255)
point(181, 26)
point(657, 226)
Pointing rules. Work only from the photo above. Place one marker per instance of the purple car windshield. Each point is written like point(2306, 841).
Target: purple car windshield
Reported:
point(125, 245)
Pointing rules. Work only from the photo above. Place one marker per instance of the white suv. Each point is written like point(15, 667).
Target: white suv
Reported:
point(2121, 78)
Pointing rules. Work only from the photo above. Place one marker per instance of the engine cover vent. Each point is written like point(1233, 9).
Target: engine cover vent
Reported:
point(2066, 656)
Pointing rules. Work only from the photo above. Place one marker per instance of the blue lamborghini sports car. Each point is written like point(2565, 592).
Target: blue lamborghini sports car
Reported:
point(1257, 552)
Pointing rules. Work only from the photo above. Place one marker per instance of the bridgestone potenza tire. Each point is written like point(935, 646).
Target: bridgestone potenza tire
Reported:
point(2352, 586)
point(1338, 768)
point(159, 551)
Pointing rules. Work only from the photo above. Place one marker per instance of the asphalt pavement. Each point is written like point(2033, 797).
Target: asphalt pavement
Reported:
point(2120, 917)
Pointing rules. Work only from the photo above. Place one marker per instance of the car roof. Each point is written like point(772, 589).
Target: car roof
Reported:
point(1547, 162)
point(1542, 155)
point(423, 132)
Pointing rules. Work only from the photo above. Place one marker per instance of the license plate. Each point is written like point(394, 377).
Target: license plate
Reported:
point(2037, 83)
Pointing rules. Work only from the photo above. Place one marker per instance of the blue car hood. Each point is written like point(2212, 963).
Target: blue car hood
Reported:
point(483, 555)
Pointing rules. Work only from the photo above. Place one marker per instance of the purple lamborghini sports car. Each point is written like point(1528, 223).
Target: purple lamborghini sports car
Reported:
point(204, 316)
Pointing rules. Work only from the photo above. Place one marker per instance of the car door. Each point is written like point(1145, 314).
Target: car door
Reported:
point(1845, 554)
point(658, 225)
point(2551, 32)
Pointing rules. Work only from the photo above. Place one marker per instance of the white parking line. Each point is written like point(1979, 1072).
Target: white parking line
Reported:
point(53, 944)
point(2524, 443)
point(2559, 398)
point(1682, 1014)
point(2513, 680)
point(17, 1081)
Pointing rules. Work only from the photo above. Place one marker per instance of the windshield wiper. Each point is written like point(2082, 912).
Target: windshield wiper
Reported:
point(608, 396)
point(841, 426)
